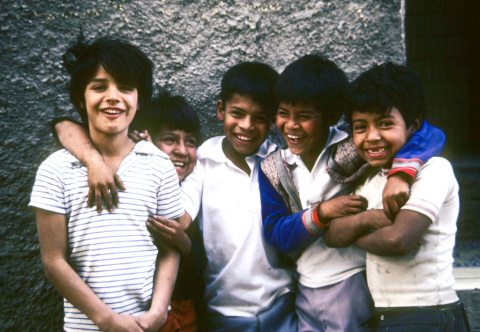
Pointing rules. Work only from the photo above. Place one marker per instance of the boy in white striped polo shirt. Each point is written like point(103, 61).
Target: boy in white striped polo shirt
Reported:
point(106, 266)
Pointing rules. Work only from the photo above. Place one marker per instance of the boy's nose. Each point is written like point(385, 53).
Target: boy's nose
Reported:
point(373, 134)
point(112, 95)
point(246, 123)
point(181, 149)
point(292, 123)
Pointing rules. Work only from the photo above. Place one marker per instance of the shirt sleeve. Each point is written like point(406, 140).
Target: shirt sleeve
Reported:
point(283, 230)
point(427, 142)
point(433, 187)
point(192, 190)
point(48, 191)
point(169, 197)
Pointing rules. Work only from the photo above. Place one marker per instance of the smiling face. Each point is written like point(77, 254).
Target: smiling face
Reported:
point(378, 138)
point(303, 129)
point(110, 106)
point(180, 146)
point(245, 125)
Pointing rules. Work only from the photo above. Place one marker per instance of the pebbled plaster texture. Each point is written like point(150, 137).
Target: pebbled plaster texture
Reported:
point(192, 43)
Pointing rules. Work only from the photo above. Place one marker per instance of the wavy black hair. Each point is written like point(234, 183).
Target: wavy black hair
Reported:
point(312, 79)
point(124, 62)
point(385, 86)
point(251, 79)
point(173, 111)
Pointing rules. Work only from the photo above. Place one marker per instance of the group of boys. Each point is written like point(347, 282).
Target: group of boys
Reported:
point(285, 245)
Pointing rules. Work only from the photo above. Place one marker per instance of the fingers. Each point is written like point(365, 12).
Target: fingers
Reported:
point(158, 227)
point(119, 182)
point(146, 136)
point(358, 202)
point(143, 325)
point(165, 221)
point(134, 136)
point(107, 198)
point(98, 201)
point(90, 197)
point(390, 207)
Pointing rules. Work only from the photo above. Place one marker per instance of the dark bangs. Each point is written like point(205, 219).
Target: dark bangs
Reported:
point(173, 111)
point(383, 87)
point(124, 62)
point(254, 80)
point(314, 80)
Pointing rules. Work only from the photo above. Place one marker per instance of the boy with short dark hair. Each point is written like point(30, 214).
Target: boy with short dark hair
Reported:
point(305, 186)
point(174, 127)
point(246, 287)
point(409, 260)
point(106, 266)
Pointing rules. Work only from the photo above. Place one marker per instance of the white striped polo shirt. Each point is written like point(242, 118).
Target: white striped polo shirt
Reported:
point(112, 252)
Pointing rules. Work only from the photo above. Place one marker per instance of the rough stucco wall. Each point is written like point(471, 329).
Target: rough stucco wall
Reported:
point(192, 43)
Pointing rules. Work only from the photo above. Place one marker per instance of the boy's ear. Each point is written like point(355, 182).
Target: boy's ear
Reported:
point(416, 125)
point(220, 110)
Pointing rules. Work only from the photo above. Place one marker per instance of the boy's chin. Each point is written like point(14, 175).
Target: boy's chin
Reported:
point(380, 163)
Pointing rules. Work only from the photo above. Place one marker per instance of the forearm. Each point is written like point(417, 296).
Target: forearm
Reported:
point(343, 232)
point(400, 238)
point(380, 242)
point(76, 140)
point(164, 281)
point(76, 291)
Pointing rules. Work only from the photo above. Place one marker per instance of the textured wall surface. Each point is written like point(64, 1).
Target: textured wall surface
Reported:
point(191, 43)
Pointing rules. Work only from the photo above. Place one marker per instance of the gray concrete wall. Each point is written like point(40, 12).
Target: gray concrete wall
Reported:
point(192, 43)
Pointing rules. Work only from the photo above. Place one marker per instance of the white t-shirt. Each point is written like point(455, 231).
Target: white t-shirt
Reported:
point(319, 265)
point(112, 252)
point(423, 277)
point(243, 275)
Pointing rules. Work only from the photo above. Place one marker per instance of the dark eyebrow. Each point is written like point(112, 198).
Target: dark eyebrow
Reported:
point(358, 120)
point(302, 111)
point(237, 108)
point(97, 80)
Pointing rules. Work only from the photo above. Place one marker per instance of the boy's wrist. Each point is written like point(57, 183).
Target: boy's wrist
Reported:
point(103, 318)
point(186, 246)
point(321, 215)
point(92, 158)
point(408, 178)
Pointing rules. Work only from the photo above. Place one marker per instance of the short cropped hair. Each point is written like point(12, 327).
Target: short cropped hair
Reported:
point(124, 62)
point(314, 80)
point(173, 111)
point(251, 79)
point(385, 86)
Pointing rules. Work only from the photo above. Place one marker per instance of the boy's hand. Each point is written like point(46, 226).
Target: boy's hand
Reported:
point(153, 321)
point(123, 323)
point(170, 232)
point(137, 137)
point(103, 181)
point(396, 193)
point(342, 206)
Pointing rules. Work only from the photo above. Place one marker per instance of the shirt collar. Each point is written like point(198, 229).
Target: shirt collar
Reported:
point(212, 149)
point(335, 136)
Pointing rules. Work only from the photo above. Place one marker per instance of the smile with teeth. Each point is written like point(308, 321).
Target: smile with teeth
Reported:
point(244, 138)
point(376, 151)
point(111, 111)
point(294, 138)
point(178, 164)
